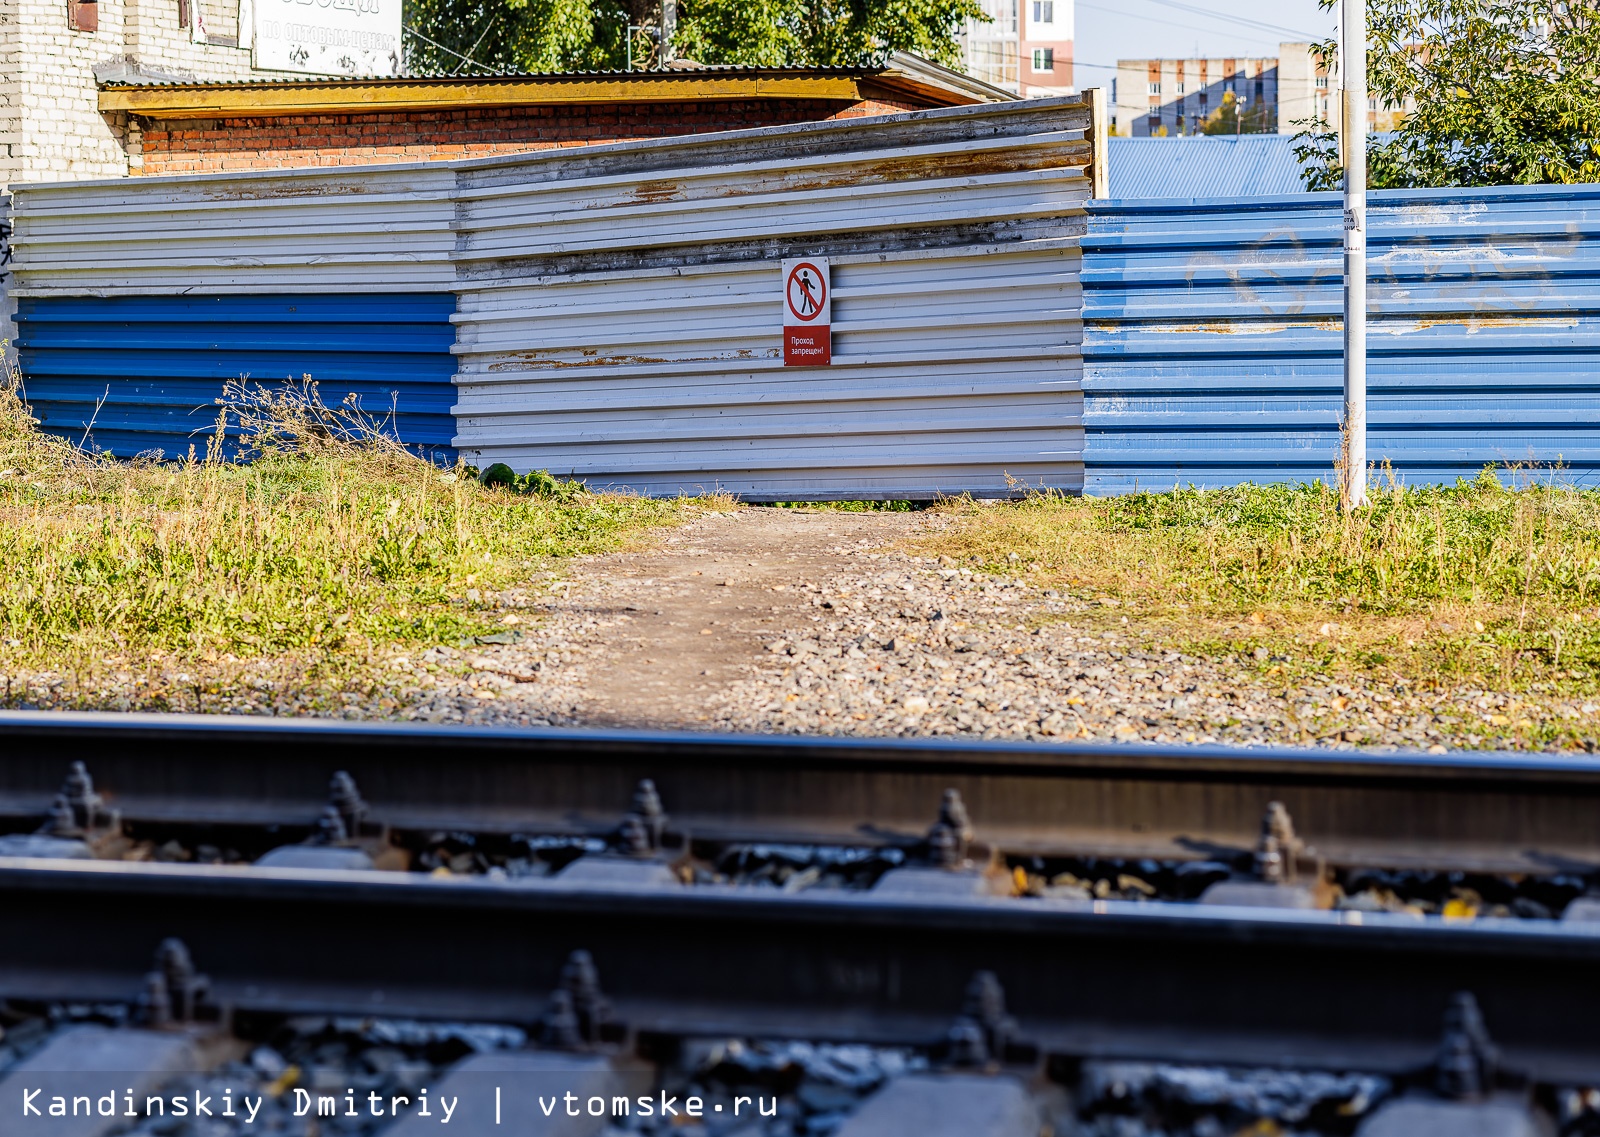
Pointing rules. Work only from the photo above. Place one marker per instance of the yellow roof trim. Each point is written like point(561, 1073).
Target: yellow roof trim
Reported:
point(201, 100)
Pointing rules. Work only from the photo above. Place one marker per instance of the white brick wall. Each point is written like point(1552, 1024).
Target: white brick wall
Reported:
point(10, 66)
point(160, 43)
point(63, 133)
point(51, 127)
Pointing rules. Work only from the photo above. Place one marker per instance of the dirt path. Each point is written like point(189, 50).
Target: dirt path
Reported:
point(710, 597)
point(657, 636)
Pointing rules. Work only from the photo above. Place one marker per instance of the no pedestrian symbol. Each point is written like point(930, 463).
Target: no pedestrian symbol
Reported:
point(807, 312)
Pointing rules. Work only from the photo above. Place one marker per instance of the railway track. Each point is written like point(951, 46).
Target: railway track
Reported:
point(1295, 910)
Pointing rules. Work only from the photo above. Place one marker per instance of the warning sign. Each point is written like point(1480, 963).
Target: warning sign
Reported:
point(807, 313)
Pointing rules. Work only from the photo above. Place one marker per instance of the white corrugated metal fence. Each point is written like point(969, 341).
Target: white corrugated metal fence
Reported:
point(623, 322)
point(8, 330)
point(618, 314)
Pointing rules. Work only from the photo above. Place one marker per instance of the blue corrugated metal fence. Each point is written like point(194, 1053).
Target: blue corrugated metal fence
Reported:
point(141, 373)
point(1212, 336)
point(7, 328)
point(1211, 344)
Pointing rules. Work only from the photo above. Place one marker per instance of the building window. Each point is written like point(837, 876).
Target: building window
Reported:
point(1155, 88)
point(1044, 11)
point(83, 15)
point(1372, 104)
point(1180, 88)
point(1044, 59)
point(1322, 82)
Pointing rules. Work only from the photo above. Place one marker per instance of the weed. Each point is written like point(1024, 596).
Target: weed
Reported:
point(330, 551)
point(540, 483)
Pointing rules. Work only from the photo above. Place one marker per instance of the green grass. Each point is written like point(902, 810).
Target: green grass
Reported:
point(1474, 584)
point(326, 555)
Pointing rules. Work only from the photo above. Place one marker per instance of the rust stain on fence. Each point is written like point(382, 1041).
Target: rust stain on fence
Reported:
point(538, 360)
point(1067, 157)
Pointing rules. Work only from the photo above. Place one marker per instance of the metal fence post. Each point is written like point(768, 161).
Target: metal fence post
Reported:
point(1100, 163)
point(1353, 64)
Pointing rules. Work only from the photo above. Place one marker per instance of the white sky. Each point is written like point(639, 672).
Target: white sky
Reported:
point(1109, 30)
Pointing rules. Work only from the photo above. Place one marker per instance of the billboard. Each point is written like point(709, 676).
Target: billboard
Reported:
point(328, 37)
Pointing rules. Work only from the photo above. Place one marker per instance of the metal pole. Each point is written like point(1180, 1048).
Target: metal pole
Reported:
point(1353, 66)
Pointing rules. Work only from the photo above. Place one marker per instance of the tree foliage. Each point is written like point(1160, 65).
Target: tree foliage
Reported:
point(1257, 118)
point(475, 36)
point(1495, 92)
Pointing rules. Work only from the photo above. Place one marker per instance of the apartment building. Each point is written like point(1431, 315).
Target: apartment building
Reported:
point(1169, 97)
point(1307, 92)
point(1025, 47)
point(53, 55)
point(56, 56)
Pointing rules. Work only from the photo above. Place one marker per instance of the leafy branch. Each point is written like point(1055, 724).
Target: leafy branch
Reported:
point(1495, 92)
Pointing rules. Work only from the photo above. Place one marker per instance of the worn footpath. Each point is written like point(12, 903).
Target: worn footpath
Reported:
point(781, 620)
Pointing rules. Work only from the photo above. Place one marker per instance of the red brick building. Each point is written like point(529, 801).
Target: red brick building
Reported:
point(175, 128)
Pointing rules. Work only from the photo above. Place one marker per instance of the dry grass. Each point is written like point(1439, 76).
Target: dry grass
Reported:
point(1472, 585)
point(168, 585)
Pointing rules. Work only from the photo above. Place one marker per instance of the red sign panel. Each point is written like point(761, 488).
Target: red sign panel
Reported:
point(807, 347)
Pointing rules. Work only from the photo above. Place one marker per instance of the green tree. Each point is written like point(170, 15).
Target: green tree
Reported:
point(1226, 119)
point(475, 36)
point(1495, 92)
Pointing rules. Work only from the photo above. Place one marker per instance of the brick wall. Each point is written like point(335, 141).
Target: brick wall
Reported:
point(50, 121)
point(157, 39)
point(59, 131)
point(197, 145)
point(10, 92)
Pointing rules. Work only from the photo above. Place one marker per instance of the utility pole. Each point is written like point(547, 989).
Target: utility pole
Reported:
point(1353, 66)
point(669, 28)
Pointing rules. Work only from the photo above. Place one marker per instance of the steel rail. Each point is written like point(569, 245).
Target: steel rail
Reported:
point(1470, 811)
point(1084, 979)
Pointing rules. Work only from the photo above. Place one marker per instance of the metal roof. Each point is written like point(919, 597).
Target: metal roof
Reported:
point(279, 79)
point(1203, 166)
point(167, 96)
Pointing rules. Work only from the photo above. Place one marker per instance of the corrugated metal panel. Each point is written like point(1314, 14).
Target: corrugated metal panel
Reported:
point(620, 311)
point(373, 228)
point(670, 382)
point(1204, 166)
point(278, 80)
point(133, 374)
point(1212, 349)
point(8, 303)
point(628, 327)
